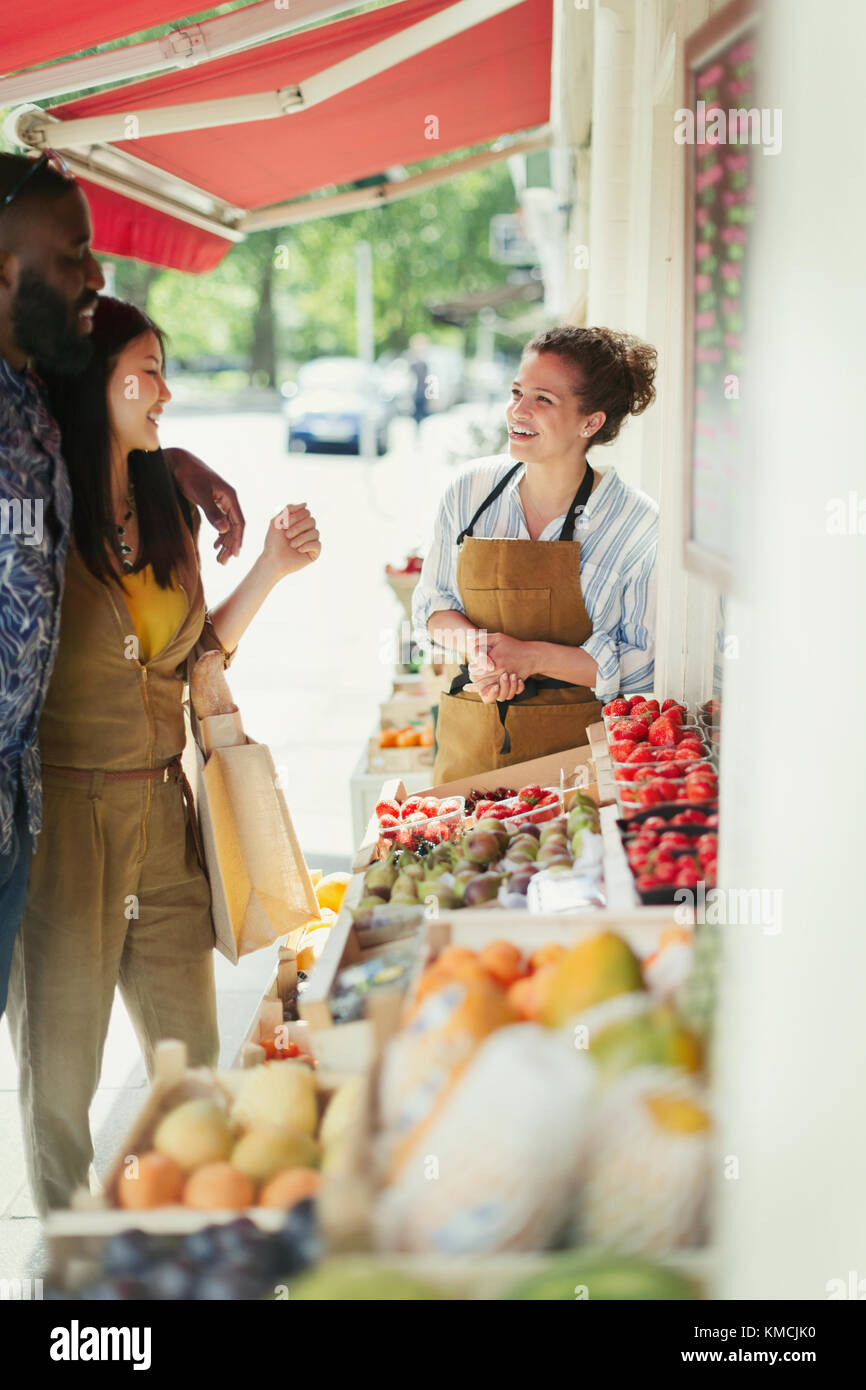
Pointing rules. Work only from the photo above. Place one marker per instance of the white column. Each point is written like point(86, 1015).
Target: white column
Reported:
point(791, 1056)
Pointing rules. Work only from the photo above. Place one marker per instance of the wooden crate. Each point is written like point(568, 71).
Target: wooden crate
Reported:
point(80, 1231)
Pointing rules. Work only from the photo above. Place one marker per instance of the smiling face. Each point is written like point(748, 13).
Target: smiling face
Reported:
point(55, 281)
point(545, 418)
point(137, 393)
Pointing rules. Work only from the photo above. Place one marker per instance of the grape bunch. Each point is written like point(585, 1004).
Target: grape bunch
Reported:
point(477, 794)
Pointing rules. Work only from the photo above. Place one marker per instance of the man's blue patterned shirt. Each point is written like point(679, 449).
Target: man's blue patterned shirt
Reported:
point(35, 513)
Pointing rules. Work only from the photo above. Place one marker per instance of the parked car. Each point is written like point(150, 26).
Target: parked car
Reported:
point(325, 408)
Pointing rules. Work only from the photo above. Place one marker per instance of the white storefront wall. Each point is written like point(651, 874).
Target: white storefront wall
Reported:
point(790, 1045)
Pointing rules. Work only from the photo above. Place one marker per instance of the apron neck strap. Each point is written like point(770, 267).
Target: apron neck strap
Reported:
point(488, 501)
point(581, 497)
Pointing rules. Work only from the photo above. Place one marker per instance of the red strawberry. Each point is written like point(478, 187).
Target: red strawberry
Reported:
point(689, 818)
point(705, 769)
point(667, 789)
point(386, 820)
point(670, 704)
point(713, 818)
point(650, 795)
point(707, 847)
point(618, 706)
point(665, 873)
point(411, 806)
point(620, 750)
point(662, 734)
point(648, 838)
point(675, 715)
point(646, 882)
point(700, 790)
point(389, 807)
point(663, 755)
point(687, 876)
point(638, 859)
point(710, 871)
point(654, 823)
point(675, 839)
point(429, 806)
point(641, 754)
point(406, 838)
point(688, 752)
point(449, 805)
point(481, 808)
point(623, 773)
point(648, 773)
point(631, 728)
point(531, 795)
point(635, 700)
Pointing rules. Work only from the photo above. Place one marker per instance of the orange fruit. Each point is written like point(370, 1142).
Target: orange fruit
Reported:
point(455, 955)
point(218, 1187)
point(290, 1187)
point(427, 736)
point(388, 738)
point(154, 1181)
point(528, 997)
point(547, 955)
point(503, 961)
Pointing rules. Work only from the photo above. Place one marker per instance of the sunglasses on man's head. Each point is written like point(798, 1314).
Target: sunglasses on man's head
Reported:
point(49, 159)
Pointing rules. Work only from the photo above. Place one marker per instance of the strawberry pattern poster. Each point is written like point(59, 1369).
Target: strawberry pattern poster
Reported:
point(723, 210)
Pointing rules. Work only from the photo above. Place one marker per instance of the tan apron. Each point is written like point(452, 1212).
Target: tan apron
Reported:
point(529, 590)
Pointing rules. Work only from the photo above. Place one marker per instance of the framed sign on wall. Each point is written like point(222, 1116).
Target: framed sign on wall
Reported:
point(721, 130)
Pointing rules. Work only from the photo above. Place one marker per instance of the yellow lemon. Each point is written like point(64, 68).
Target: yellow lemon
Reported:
point(331, 890)
point(313, 945)
point(677, 1113)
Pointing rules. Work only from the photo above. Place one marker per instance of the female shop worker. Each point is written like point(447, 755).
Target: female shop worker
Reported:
point(544, 561)
point(117, 895)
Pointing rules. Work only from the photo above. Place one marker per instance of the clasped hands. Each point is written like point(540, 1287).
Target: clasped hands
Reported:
point(499, 665)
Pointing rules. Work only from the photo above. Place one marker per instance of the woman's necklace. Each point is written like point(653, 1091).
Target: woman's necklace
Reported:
point(122, 543)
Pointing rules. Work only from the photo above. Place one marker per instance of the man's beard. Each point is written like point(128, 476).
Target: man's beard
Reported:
point(45, 327)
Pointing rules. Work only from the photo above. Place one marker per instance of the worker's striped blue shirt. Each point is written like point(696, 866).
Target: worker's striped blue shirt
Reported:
point(618, 534)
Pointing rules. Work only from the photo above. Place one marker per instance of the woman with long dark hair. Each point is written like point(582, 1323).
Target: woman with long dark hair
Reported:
point(117, 895)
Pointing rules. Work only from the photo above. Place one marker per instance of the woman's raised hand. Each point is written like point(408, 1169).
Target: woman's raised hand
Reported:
point(292, 540)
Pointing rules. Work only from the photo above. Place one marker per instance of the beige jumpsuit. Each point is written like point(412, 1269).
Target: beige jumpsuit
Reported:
point(117, 896)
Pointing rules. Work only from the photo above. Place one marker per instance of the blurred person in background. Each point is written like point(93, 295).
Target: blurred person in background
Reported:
point(419, 369)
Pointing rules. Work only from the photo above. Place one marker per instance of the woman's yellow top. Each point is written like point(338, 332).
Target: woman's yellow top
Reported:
point(157, 613)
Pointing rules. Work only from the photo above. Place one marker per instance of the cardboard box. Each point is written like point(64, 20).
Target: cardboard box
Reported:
point(398, 759)
point(571, 768)
point(403, 709)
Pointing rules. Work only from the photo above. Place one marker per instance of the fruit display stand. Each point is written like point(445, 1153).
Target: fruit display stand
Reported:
point(80, 1231)
point(481, 1270)
point(571, 768)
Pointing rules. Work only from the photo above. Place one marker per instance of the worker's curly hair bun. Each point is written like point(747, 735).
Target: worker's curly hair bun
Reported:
point(614, 372)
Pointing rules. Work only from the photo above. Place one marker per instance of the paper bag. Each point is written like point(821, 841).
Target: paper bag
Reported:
point(260, 885)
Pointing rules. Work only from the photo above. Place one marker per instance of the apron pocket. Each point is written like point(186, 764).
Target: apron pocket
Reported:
point(521, 613)
point(468, 734)
point(540, 729)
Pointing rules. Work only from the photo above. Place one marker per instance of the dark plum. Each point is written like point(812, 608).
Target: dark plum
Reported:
point(130, 1253)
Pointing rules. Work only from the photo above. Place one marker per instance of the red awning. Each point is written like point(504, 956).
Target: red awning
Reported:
point(485, 82)
point(26, 40)
point(123, 227)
